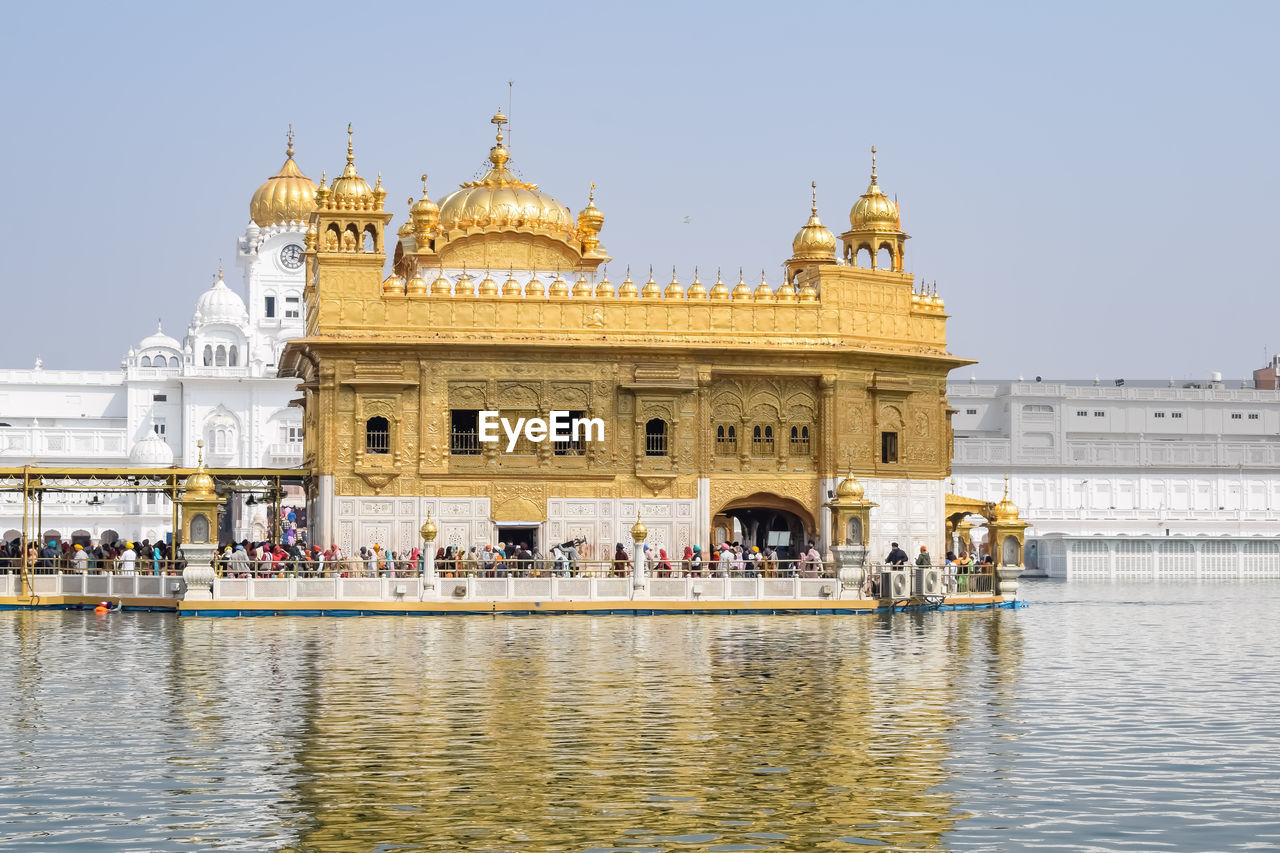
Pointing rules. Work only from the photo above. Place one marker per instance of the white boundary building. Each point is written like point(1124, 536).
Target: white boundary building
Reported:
point(1125, 478)
point(218, 384)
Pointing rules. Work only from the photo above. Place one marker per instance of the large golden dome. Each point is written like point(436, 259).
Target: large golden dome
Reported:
point(287, 196)
point(503, 200)
point(814, 241)
point(874, 210)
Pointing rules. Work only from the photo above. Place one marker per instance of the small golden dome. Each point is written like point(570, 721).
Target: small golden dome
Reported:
point(740, 290)
point(441, 286)
point(322, 192)
point(424, 213)
point(418, 285)
point(697, 290)
point(405, 229)
point(590, 219)
point(814, 241)
point(393, 284)
point(379, 193)
point(786, 293)
point(807, 293)
point(874, 211)
point(287, 196)
point(465, 287)
point(488, 287)
point(582, 288)
point(511, 287)
point(638, 531)
point(763, 293)
point(428, 529)
point(719, 291)
point(560, 287)
point(650, 289)
point(199, 484)
point(534, 289)
point(628, 289)
point(1006, 510)
point(850, 489)
point(604, 290)
point(674, 290)
point(349, 190)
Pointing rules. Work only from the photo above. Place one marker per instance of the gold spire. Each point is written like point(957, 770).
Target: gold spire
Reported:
point(873, 164)
point(349, 190)
point(199, 484)
point(628, 288)
point(696, 290)
point(287, 196)
point(762, 293)
point(874, 210)
point(604, 290)
point(814, 241)
point(650, 289)
point(674, 290)
point(719, 291)
point(740, 290)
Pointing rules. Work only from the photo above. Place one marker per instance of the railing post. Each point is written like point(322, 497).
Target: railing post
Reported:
point(639, 579)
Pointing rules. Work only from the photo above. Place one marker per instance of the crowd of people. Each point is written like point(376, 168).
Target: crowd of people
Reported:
point(296, 557)
point(122, 557)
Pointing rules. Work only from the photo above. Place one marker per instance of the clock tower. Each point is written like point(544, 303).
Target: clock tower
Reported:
point(270, 253)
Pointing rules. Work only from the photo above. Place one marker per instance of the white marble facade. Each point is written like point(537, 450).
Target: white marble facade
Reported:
point(218, 384)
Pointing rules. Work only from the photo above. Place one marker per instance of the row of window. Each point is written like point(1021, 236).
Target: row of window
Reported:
point(1235, 416)
point(761, 441)
point(159, 361)
point(292, 307)
point(464, 439)
point(222, 356)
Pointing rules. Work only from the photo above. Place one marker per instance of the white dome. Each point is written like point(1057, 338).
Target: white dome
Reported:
point(220, 304)
point(159, 339)
point(152, 452)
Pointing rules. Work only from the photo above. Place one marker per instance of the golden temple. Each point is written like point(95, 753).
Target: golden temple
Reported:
point(729, 410)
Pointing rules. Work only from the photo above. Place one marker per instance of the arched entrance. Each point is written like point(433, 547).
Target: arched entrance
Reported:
point(767, 519)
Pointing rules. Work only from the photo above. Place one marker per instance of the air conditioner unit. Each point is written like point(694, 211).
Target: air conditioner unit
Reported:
point(894, 584)
point(928, 581)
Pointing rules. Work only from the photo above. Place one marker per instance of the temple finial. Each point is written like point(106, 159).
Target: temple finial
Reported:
point(591, 196)
point(289, 151)
point(351, 150)
point(813, 185)
point(424, 184)
point(873, 164)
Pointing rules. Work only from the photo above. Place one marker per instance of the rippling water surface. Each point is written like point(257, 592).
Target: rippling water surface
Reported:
point(1103, 717)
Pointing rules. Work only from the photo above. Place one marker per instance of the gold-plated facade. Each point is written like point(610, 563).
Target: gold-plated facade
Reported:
point(849, 364)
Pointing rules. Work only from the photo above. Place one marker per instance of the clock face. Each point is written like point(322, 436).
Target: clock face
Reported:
point(291, 256)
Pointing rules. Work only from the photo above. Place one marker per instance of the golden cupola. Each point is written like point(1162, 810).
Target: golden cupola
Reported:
point(424, 214)
point(875, 224)
point(1006, 510)
point(814, 241)
point(813, 244)
point(287, 196)
point(349, 191)
point(501, 220)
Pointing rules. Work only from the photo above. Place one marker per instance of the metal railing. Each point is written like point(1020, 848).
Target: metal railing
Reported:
point(538, 567)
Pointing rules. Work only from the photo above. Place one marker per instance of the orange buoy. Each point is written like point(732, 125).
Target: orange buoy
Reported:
point(102, 609)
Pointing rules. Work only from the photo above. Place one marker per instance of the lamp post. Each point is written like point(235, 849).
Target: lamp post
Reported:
point(638, 534)
point(428, 532)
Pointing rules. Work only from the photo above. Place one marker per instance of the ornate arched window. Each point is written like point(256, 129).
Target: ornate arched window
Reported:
point(655, 437)
point(146, 361)
point(173, 362)
point(233, 356)
point(377, 435)
point(762, 441)
point(800, 441)
point(208, 356)
point(726, 440)
point(220, 356)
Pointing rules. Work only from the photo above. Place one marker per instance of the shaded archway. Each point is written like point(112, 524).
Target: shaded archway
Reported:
point(768, 519)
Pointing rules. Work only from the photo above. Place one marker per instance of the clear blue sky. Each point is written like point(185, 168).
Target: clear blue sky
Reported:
point(1092, 185)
